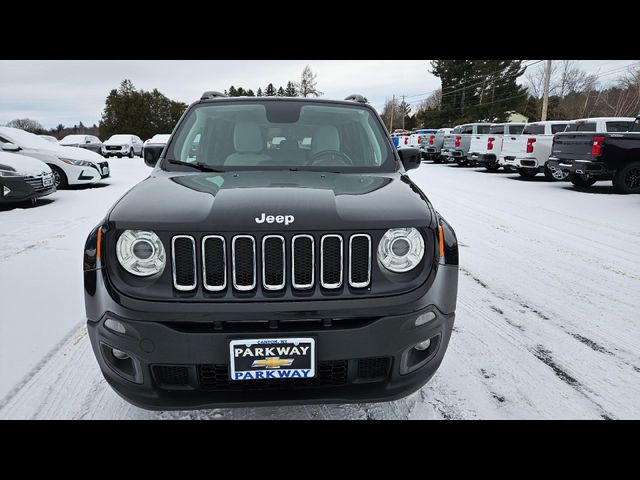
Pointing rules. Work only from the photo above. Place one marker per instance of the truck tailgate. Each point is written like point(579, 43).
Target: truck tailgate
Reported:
point(514, 145)
point(573, 146)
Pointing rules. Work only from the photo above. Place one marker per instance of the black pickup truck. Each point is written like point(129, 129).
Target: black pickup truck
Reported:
point(589, 157)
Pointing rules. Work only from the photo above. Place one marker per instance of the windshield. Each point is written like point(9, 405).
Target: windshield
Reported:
point(120, 138)
point(298, 135)
point(72, 139)
point(25, 139)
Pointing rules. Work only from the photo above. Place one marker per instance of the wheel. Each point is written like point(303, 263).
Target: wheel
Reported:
point(557, 176)
point(119, 155)
point(492, 167)
point(627, 179)
point(527, 172)
point(131, 152)
point(581, 180)
point(59, 177)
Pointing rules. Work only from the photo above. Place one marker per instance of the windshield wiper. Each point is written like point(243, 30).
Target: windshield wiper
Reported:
point(197, 166)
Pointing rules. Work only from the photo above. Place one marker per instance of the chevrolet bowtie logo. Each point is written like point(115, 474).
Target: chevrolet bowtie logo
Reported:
point(273, 362)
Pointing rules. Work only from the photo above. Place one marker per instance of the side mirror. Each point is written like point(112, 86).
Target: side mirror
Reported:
point(151, 156)
point(410, 157)
point(10, 147)
point(87, 141)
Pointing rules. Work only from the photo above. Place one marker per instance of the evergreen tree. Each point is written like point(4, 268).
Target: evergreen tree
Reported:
point(281, 92)
point(270, 91)
point(249, 93)
point(232, 91)
point(290, 91)
point(259, 94)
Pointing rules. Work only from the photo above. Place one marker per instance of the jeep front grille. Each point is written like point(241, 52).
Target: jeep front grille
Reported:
point(273, 262)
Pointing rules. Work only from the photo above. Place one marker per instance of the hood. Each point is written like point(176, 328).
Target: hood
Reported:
point(23, 165)
point(75, 153)
point(117, 142)
point(246, 201)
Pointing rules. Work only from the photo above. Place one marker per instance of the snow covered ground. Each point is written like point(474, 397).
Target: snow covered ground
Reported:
point(548, 322)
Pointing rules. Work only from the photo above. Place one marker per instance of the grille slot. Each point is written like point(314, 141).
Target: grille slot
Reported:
point(273, 262)
point(184, 262)
point(373, 368)
point(359, 260)
point(244, 262)
point(303, 262)
point(329, 373)
point(168, 376)
point(331, 261)
point(214, 263)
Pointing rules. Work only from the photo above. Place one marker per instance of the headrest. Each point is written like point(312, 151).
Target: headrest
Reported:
point(325, 138)
point(289, 145)
point(247, 138)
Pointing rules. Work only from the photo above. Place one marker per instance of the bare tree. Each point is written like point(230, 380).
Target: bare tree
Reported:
point(26, 124)
point(307, 85)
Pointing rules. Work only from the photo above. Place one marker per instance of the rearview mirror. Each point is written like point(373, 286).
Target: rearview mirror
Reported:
point(410, 157)
point(151, 156)
point(10, 147)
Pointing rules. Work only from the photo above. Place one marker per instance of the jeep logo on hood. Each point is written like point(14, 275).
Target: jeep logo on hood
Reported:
point(286, 219)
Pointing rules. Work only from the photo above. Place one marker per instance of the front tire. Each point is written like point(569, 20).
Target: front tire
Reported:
point(581, 180)
point(556, 176)
point(59, 177)
point(131, 152)
point(528, 172)
point(627, 179)
point(491, 167)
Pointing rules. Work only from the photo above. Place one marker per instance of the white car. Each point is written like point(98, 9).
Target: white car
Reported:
point(70, 165)
point(24, 178)
point(122, 145)
point(49, 138)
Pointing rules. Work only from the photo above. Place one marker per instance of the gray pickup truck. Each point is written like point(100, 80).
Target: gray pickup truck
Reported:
point(432, 144)
point(456, 146)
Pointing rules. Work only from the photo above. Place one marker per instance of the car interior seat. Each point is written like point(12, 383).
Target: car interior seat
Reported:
point(249, 146)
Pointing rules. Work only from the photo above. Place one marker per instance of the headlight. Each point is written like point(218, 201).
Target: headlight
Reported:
point(401, 249)
point(141, 253)
point(79, 163)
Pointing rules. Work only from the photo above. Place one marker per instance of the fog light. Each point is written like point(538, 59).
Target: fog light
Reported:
point(425, 318)
point(119, 354)
point(420, 346)
point(115, 325)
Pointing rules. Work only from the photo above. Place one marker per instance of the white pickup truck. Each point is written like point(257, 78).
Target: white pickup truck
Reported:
point(485, 148)
point(432, 144)
point(458, 149)
point(529, 152)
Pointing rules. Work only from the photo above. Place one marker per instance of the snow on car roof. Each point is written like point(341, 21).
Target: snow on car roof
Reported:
point(26, 139)
point(160, 138)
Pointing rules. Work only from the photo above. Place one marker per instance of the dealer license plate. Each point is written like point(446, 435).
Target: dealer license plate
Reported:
point(47, 181)
point(272, 358)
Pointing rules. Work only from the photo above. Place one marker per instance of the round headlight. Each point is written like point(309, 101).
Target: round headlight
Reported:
point(401, 249)
point(141, 253)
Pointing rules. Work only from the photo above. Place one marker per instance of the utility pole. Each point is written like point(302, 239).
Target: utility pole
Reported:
point(393, 107)
point(402, 104)
point(545, 96)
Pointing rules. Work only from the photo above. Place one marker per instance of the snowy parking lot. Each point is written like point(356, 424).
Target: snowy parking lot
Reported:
point(547, 326)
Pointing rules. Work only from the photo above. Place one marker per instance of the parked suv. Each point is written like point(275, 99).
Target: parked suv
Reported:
point(90, 142)
point(241, 275)
point(122, 146)
point(589, 155)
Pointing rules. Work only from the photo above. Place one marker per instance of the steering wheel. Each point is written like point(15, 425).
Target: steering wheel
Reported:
point(334, 153)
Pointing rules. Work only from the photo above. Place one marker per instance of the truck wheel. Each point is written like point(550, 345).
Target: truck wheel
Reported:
point(581, 180)
point(59, 177)
point(492, 167)
point(528, 172)
point(557, 176)
point(627, 179)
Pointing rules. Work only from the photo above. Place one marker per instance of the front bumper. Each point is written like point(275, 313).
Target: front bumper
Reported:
point(19, 190)
point(351, 335)
point(578, 167)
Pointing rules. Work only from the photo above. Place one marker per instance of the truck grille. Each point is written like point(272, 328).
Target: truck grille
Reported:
point(272, 261)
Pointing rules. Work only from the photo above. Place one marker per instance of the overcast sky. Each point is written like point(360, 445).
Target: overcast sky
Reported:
point(67, 92)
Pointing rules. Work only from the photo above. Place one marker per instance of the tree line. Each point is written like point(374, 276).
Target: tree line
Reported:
point(305, 87)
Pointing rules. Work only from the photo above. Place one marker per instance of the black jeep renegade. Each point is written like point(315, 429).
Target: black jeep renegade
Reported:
point(277, 254)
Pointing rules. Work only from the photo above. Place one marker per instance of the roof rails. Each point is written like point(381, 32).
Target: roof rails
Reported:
point(356, 98)
point(212, 94)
